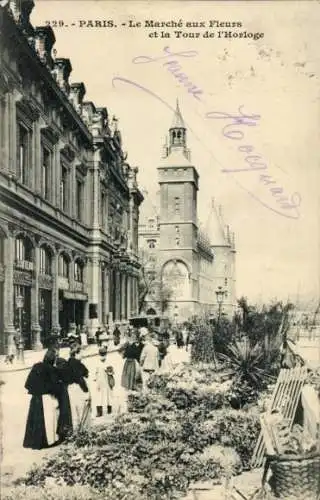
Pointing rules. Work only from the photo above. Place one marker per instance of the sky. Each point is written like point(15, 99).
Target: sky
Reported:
point(250, 103)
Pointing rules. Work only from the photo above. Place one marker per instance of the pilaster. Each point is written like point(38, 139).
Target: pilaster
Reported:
point(8, 293)
point(106, 295)
point(35, 327)
point(117, 294)
point(128, 296)
point(56, 329)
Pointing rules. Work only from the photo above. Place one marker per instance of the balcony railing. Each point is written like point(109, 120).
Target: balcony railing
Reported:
point(24, 264)
point(63, 283)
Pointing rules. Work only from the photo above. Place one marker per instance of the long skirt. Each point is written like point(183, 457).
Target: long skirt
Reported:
point(131, 378)
point(80, 408)
point(65, 420)
point(41, 427)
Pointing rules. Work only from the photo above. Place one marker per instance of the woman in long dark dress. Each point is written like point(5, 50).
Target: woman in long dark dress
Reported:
point(78, 389)
point(64, 428)
point(131, 374)
point(44, 386)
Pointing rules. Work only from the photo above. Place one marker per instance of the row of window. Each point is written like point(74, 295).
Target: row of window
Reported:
point(24, 253)
point(24, 159)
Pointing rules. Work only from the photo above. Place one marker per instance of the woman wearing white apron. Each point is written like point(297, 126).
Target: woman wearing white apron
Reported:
point(80, 399)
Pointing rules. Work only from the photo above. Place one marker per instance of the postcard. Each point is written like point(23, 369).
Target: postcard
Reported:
point(159, 203)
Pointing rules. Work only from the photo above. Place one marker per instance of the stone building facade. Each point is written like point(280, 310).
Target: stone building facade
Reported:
point(192, 261)
point(69, 200)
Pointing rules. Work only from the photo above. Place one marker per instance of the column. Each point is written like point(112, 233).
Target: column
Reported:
point(12, 139)
point(5, 133)
point(128, 296)
point(56, 172)
point(35, 327)
point(8, 293)
point(95, 203)
point(72, 191)
point(106, 296)
point(123, 296)
point(117, 292)
point(56, 329)
point(132, 295)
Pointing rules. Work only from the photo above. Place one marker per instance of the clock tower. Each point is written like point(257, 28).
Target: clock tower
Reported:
point(178, 180)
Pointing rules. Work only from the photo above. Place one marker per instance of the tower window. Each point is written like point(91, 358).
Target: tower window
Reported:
point(152, 244)
point(226, 282)
point(177, 205)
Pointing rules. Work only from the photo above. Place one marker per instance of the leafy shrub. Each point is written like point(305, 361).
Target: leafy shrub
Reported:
point(242, 394)
point(248, 364)
point(203, 346)
point(50, 492)
point(182, 430)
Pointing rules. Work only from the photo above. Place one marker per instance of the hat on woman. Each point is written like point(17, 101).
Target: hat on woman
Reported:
point(143, 332)
point(103, 351)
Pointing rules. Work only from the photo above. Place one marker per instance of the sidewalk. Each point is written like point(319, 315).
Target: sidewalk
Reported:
point(32, 357)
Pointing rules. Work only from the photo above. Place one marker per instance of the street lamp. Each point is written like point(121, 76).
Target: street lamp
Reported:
point(220, 296)
point(20, 305)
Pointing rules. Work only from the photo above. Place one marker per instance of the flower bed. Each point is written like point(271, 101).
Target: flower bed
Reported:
point(182, 430)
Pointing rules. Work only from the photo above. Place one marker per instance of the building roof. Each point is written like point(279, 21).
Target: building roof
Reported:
point(215, 228)
point(176, 158)
point(149, 208)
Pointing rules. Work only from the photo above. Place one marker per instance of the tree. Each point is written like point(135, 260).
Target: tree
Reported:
point(150, 283)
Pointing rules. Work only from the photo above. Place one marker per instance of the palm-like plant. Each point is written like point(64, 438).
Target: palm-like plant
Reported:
point(248, 364)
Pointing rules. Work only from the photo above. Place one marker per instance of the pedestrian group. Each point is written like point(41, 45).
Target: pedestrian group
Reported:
point(61, 400)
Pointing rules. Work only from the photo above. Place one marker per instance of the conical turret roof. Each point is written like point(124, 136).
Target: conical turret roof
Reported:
point(177, 121)
point(215, 228)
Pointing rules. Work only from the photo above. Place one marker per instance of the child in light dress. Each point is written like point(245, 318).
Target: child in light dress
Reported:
point(104, 383)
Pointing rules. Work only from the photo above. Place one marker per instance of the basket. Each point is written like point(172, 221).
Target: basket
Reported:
point(295, 476)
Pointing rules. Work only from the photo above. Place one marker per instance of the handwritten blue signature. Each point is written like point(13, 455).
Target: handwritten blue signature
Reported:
point(232, 130)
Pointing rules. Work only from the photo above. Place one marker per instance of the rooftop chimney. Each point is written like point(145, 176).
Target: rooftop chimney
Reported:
point(62, 70)
point(44, 41)
point(76, 95)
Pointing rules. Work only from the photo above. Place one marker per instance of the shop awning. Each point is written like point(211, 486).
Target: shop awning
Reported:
point(75, 295)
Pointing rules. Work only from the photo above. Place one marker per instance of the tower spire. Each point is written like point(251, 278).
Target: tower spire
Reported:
point(177, 131)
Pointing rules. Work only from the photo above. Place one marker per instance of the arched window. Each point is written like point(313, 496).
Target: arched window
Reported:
point(78, 271)
point(24, 249)
point(63, 266)
point(151, 312)
point(175, 276)
point(45, 260)
point(151, 244)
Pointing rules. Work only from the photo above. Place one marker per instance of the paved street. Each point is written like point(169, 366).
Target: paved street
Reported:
point(15, 403)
